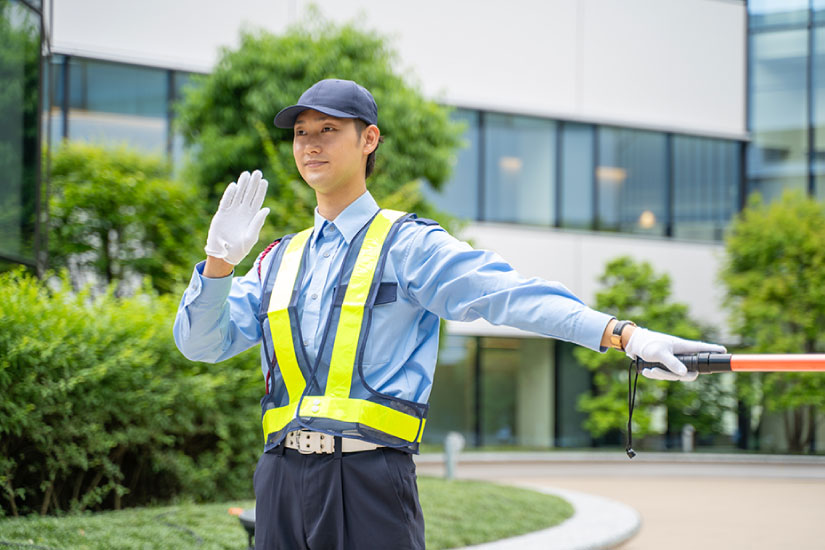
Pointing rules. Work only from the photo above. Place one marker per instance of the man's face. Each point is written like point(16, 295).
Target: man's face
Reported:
point(328, 151)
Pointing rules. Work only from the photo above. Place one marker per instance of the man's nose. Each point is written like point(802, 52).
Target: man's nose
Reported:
point(312, 144)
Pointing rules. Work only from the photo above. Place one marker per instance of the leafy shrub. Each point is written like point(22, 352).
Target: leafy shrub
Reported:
point(100, 410)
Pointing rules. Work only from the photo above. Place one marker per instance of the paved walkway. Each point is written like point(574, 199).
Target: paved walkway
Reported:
point(752, 502)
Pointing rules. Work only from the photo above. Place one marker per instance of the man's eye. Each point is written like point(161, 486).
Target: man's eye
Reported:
point(328, 128)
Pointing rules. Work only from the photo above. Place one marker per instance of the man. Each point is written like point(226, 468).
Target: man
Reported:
point(348, 313)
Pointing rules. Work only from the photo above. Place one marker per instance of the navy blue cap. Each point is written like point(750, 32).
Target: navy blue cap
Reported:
point(338, 98)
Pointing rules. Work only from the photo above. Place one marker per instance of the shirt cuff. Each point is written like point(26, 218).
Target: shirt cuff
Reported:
point(592, 325)
point(205, 290)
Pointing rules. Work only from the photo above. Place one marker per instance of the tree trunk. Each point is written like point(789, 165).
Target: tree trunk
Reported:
point(795, 429)
point(47, 498)
point(10, 491)
point(107, 259)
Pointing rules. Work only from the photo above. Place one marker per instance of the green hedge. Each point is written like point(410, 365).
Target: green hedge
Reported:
point(100, 410)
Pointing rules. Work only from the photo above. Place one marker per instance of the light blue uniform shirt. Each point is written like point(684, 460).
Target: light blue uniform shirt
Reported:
point(437, 276)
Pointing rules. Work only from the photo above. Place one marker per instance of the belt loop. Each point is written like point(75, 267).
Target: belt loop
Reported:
point(338, 446)
point(281, 448)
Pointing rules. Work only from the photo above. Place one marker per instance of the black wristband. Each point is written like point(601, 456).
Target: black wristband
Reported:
point(616, 337)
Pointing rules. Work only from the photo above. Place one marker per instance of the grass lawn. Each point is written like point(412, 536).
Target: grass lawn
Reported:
point(457, 513)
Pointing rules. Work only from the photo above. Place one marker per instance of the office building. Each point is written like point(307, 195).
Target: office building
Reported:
point(595, 129)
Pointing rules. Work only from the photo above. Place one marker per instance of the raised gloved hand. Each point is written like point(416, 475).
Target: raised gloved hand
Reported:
point(662, 348)
point(235, 227)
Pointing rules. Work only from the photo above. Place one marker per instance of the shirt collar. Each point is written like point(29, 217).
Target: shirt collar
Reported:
point(350, 221)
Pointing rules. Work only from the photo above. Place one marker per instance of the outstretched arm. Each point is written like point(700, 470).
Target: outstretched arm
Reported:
point(457, 282)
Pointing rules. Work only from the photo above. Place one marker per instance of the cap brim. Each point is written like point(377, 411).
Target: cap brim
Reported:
point(286, 118)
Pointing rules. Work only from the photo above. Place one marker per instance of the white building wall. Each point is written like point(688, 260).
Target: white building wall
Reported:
point(576, 259)
point(670, 64)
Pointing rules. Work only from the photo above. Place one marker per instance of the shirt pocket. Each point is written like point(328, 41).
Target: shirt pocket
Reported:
point(379, 346)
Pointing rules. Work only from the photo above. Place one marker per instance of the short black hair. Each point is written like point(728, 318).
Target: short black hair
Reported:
point(360, 126)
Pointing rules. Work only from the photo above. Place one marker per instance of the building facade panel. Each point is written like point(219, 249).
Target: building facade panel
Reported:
point(638, 62)
point(674, 63)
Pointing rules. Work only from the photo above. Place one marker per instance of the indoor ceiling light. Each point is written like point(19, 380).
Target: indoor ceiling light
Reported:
point(511, 165)
point(611, 174)
point(647, 219)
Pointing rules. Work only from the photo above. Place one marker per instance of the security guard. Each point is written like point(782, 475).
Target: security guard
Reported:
point(347, 312)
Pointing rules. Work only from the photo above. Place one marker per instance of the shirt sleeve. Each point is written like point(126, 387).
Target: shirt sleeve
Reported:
point(218, 318)
point(457, 282)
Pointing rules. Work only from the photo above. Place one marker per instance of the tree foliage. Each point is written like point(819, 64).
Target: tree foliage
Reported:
point(632, 290)
point(775, 278)
point(229, 116)
point(116, 213)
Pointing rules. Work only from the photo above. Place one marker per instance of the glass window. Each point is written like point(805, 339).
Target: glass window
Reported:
point(777, 157)
point(764, 13)
point(452, 400)
point(631, 179)
point(705, 186)
point(576, 176)
point(516, 391)
point(118, 103)
point(183, 81)
point(459, 195)
point(19, 132)
point(519, 169)
point(819, 187)
point(117, 88)
point(52, 98)
point(572, 380)
point(818, 107)
point(499, 371)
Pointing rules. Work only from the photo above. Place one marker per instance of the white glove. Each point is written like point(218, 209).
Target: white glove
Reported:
point(656, 347)
point(234, 229)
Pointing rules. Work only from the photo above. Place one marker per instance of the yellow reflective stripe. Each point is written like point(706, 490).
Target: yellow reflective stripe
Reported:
point(361, 411)
point(342, 362)
point(276, 419)
point(278, 314)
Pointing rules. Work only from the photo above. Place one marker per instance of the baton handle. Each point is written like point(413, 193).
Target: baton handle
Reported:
point(705, 363)
point(709, 363)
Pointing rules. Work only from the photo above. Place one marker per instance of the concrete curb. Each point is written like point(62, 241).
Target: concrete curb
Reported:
point(620, 457)
point(598, 523)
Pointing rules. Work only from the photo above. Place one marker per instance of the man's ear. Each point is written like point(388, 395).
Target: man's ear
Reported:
point(371, 135)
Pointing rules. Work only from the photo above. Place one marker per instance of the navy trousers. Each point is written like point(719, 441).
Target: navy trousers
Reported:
point(352, 501)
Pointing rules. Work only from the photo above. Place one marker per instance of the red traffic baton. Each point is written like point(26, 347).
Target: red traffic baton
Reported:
point(710, 363)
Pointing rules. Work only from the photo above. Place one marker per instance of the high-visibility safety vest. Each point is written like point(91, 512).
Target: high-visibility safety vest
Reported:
point(332, 395)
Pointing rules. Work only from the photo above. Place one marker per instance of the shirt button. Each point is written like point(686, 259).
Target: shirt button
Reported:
point(314, 296)
point(306, 342)
point(316, 408)
point(326, 254)
point(317, 402)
